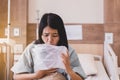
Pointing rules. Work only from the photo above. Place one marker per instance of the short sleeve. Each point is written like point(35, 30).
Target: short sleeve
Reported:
point(25, 62)
point(75, 64)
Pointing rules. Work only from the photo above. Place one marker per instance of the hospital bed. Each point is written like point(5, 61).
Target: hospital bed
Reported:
point(98, 61)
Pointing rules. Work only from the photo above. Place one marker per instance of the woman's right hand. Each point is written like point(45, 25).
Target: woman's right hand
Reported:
point(41, 73)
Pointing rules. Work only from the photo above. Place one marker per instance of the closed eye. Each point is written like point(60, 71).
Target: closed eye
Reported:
point(45, 35)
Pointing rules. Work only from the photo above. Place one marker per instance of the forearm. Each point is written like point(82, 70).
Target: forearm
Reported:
point(24, 76)
point(74, 76)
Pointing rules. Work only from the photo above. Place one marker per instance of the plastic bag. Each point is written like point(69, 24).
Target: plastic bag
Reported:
point(48, 56)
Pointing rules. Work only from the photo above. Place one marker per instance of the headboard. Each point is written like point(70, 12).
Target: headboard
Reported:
point(97, 49)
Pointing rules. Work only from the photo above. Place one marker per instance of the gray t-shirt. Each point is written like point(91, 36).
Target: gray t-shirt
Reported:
point(26, 62)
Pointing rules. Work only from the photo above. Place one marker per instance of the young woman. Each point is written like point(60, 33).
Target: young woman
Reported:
point(51, 31)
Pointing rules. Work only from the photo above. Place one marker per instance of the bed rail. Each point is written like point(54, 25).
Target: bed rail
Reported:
point(6, 60)
point(111, 62)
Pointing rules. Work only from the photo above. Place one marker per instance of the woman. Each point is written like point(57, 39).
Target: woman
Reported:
point(51, 31)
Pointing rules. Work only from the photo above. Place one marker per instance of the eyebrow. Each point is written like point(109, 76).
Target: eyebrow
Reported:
point(49, 33)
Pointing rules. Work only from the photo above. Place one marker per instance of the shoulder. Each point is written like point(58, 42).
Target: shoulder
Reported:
point(30, 46)
point(71, 50)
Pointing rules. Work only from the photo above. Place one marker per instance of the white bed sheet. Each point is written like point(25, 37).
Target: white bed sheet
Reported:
point(101, 75)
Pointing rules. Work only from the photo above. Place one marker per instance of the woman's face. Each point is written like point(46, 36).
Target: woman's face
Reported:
point(50, 36)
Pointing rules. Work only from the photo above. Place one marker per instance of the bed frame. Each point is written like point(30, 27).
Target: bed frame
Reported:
point(107, 54)
point(6, 57)
point(111, 58)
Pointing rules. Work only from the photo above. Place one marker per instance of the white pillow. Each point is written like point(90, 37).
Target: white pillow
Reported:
point(88, 64)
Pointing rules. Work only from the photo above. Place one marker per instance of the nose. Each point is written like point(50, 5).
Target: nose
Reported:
point(50, 39)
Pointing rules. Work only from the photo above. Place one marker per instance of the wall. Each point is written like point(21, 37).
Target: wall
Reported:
point(87, 13)
point(72, 11)
point(3, 17)
point(112, 23)
point(18, 19)
point(108, 19)
point(93, 32)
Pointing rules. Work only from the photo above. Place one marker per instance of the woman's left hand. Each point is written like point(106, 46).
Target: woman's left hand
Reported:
point(66, 61)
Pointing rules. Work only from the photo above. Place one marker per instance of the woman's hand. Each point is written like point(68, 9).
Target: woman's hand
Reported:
point(41, 73)
point(31, 76)
point(66, 61)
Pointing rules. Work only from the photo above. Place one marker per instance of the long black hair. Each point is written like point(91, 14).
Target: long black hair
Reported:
point(53, 21)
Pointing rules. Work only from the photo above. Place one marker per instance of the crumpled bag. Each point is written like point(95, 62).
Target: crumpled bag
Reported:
point(48, 56)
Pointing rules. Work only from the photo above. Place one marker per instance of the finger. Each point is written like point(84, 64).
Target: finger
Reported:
point(64, 59)
point(66, 56)
point(63, 56)
point(52, 70)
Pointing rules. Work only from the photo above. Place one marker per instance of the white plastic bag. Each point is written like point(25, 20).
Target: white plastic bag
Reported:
point(48, 56)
